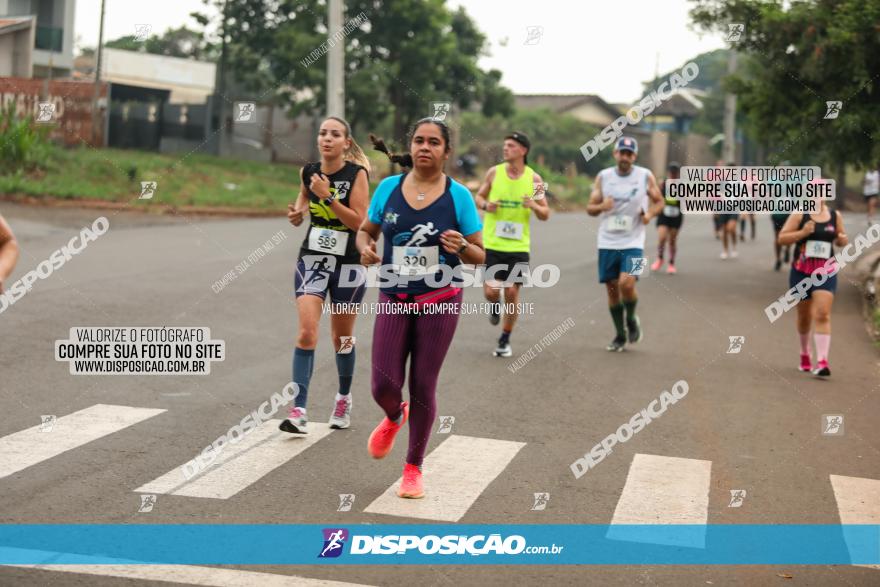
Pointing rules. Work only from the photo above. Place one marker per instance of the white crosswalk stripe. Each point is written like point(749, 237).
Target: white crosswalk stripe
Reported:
point(454, 474)
point(180, 574)
point(664, 490)
point(239, 465)
point(32, 446)
point(858, 502)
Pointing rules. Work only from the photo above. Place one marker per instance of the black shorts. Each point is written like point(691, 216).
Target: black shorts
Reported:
point(670, 221)
point(725, 218)
point(507, 261)
point(318, 275)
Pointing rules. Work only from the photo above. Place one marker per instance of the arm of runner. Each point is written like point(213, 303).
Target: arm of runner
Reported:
point(656, 198)
point(790, 233)
point(538, 205)
point(297, 210)
point(365, 242)
point(453, 242)
point(597, 204)
point(353, 215)
point(482, 195)
point(842, 240)
point(8, 251)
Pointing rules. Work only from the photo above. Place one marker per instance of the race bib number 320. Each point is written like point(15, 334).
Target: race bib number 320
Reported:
point(415, 260)
point(328, 241)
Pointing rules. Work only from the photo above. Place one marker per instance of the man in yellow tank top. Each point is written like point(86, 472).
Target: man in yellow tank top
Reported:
point(509, 194)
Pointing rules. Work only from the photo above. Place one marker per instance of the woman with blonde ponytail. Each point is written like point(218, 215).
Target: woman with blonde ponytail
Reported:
point(335, 193)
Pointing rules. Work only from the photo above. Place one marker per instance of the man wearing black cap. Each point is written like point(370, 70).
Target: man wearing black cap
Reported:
point(626, 197)
point(509, 194)
point(668, 224)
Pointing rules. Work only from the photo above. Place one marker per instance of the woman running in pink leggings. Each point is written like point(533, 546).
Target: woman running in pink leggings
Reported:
point(431, 226)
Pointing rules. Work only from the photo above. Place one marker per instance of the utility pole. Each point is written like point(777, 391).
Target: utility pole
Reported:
point(335, 61)
point(98, 54)
point(728, 153)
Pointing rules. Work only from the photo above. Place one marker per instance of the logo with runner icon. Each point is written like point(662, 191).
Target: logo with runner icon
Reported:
point(148, 190)
point(735, 344)
point(346, 500)
point(340, 189)
point(318, 269)
point(735, 31)
point(832, 109)
point(541, 500)
point(439, 110)
point(334, 541)
point(638, 265)
point(737, 497)
point(147, 503)
point(832, 425)
point(446, 423)
point(47, 423)
point(346, 345)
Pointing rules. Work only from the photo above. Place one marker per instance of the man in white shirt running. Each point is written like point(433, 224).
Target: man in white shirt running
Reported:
point(625, 197)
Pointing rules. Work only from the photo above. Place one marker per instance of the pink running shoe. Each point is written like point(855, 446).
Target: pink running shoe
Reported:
point(411, 486)
point(822, 369)
point(671, 270)
point(382, 438)
point(806, 365)
point(657, 264)
point(296, 422)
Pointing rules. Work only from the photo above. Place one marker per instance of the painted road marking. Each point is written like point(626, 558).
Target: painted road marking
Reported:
point(858, 502)
point(32, 446)
point(455, 474)
point(664, 490)
point(239, 465)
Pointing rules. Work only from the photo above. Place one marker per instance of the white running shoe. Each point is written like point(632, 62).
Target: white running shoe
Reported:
point(723, 254)
point(503, 350)
point(296, 422)
point(734, 254)
point(341, 416)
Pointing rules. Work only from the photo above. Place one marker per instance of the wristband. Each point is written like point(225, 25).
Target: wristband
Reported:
point(485, 205)
point(330, 200)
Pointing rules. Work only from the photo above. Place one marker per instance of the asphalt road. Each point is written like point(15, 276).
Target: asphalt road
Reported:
point(750, 414)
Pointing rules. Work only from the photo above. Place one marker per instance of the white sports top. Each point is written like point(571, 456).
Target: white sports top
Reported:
point(622, 227)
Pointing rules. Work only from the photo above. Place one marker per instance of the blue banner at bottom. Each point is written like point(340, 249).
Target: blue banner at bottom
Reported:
point(454, 544)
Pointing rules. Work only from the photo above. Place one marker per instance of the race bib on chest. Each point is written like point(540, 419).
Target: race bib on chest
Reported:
point(818, 249)
point(619, 223)
point(511, 230)
point(671, 211)
point(415, 260)
point(327, 240)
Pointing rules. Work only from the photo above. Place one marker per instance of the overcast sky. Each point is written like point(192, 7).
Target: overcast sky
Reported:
point(605, 47)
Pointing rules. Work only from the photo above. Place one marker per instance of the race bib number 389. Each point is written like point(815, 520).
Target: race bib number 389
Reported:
point(415, 260)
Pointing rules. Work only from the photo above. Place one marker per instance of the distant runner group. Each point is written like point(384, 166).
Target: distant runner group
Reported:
point(430, 224)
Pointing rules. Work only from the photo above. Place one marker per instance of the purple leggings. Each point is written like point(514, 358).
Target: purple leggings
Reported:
point(425, 339)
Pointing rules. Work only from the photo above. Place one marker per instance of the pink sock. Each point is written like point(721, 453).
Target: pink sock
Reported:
point(823, 343)
point(805, 343)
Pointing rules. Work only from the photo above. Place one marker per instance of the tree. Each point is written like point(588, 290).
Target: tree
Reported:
point(179, 42)
point(803, 56)
point(405, 55)
point(556, 138)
